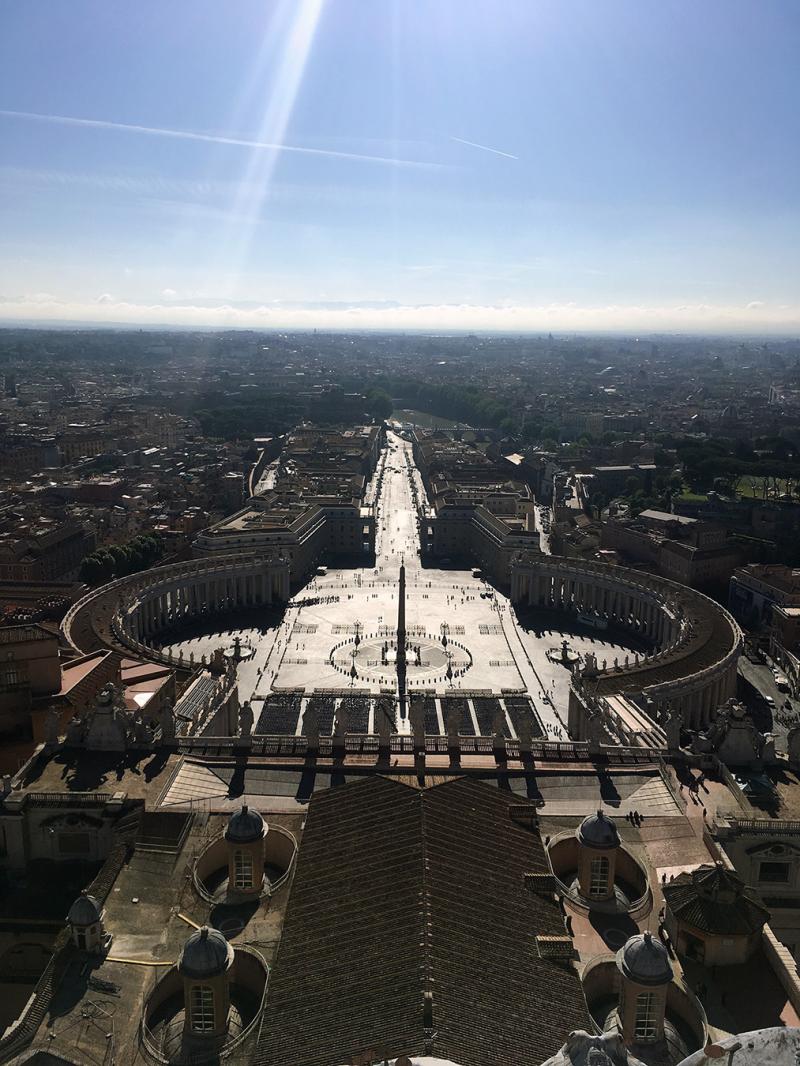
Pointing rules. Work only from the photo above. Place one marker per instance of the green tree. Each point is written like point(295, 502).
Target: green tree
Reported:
point(379, 403)
point(106, 564)
point(91, 571)
point(121, 557)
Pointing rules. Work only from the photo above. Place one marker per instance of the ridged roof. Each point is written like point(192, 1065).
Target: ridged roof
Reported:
point(205, 954)
point(84, 911)
point(245, 826)
point(598, 831)
point(645, 960)
point(714, 900)
point(408, 913)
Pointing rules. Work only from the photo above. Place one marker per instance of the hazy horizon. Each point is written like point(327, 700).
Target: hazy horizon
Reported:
point(533, 166)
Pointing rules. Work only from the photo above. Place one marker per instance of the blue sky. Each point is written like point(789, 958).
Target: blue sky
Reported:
point(643, 172)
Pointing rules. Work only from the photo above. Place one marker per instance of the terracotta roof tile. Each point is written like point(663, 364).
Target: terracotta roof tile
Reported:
point(410, 928)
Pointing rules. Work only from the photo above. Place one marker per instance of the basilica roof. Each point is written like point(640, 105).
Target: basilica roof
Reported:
point(410, 929)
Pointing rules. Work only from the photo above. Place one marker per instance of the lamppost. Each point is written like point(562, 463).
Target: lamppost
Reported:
point(354, 652)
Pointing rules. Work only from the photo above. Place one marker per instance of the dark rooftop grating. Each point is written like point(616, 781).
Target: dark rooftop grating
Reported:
point(486, 708)
point(279, 716)
point(325, 706)
point(431, 717)
point(520, 707)
point(357, 708)
point(459, 703)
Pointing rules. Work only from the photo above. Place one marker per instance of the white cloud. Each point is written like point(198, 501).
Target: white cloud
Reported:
point(390, 316)
point(169, 294)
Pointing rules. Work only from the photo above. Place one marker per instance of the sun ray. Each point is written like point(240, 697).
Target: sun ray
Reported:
point(279, 93)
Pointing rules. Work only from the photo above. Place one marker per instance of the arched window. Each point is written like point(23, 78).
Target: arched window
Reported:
point(598, 877)
point(644, 1025)
point(202, 1008)
point(242, 869)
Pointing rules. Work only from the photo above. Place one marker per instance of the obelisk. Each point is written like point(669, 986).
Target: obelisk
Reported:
point(401, 619)
point(401, 642)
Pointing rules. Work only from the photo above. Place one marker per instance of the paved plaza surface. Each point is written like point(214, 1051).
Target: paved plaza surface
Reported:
point(337, 634)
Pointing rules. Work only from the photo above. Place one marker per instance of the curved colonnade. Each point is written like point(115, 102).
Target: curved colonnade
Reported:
point(125, 614)
point(690, 667)
point(695, 643)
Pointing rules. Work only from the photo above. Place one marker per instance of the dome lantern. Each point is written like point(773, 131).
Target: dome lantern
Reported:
point(645, 960)
point(204, 964)
point(85, 920)
point(205, 954)
point(598, 844)
point(245, 835)
point(245, 826)
point(646, 975)
point(598, 831)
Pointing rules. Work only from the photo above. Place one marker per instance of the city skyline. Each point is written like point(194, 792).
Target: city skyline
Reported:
point(338, 165)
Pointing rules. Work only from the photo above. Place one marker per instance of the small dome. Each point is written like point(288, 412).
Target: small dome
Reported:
point(245, 826)
point(645, 960)
point(597, 831)
point(205, 954)
point(85, 911)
